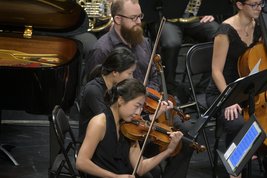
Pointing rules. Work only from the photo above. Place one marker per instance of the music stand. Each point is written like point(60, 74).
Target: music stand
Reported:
point(241, 90)
point(244, 145)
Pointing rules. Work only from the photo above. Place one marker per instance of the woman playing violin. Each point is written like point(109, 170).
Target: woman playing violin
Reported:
point(234, 36)
point(105, 152)
point(119, 65)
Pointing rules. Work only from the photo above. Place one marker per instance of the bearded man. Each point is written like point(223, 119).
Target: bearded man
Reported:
point(126, 31)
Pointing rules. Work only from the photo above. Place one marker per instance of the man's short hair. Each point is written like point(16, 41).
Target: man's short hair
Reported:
point(117, 6)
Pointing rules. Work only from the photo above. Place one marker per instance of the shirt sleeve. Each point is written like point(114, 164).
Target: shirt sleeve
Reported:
point(97, 56)
point(94, 100)
point(154, 79)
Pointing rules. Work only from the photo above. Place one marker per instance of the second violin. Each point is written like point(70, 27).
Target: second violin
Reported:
point(152, 101)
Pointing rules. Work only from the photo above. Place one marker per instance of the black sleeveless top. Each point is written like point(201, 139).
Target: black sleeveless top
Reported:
point(113, 154)
point(92, 103)
point(236, 48)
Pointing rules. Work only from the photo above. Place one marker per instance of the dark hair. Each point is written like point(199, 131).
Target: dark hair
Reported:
point(235, 10)
point(119, 60)
point(128, 89)
point(242, 1)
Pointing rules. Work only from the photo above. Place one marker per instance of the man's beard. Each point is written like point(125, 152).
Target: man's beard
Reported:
point(133, 36)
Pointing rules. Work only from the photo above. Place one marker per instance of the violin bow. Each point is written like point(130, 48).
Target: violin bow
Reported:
point(146, 138)
point(163, 20)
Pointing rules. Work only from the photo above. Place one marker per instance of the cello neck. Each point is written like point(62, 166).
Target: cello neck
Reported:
point(157, 61)
point(263, 26)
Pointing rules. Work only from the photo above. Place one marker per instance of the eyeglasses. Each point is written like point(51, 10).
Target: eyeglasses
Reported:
point(255, 5)
point(133, 18)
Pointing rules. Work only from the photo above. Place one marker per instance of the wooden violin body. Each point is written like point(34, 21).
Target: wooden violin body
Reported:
point(167, 117)
point(152, 102)
point(245, 65)
point(138, 128)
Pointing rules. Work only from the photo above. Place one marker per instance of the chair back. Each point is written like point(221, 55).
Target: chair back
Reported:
point(198, 58)
point(68, 151)
point(198, 61)
point(62, 126)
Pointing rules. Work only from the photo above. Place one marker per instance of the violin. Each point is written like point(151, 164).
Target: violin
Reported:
point(137, 129)
point(169, 115)
point(125, 129)
point(151, 102)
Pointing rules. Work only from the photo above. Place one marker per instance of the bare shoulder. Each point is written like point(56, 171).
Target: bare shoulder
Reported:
point(99, 117)
point(98, 120)
point(97, 125)
point(229, 21)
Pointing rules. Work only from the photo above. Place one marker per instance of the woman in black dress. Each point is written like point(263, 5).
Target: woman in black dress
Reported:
point(119, 65)
point(105, 152)
point(234, 36)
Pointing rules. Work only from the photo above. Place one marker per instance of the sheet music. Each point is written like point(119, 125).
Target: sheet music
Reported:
point(255, 68)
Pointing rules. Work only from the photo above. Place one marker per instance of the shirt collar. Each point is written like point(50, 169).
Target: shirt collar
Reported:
point(115, 38)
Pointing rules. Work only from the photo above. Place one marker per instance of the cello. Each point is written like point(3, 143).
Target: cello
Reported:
point(245, 64)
